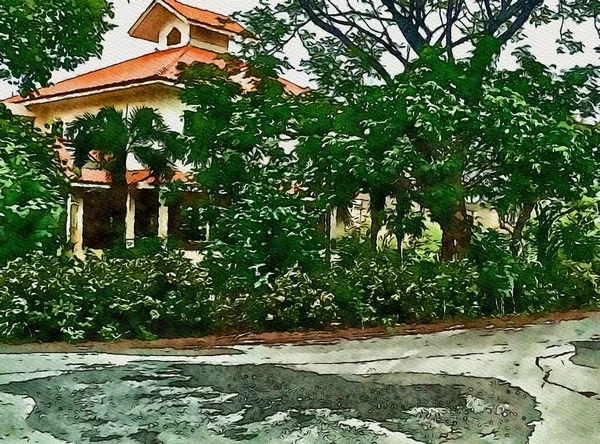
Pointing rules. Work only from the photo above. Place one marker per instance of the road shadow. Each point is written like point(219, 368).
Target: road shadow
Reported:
point(158, 402)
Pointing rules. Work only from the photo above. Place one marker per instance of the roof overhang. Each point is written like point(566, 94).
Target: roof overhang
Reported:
point(100, 90)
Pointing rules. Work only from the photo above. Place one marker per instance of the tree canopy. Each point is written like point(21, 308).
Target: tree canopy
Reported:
point(32, 189)
point(39, 37)
point(379, 31)
point(450, 130)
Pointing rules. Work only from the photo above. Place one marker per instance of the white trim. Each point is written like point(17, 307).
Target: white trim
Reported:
point(130, 221)
point(90, 185)
point(102, 90)
point(104, 186)
point(69, 216)
point(140, 19)
point(144, 186)
point(173, 11)
point(163, 219)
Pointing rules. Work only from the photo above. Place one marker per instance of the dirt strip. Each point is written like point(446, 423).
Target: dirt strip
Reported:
point(216, 342)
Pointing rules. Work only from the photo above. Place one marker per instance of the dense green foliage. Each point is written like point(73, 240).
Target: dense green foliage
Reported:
point(52, 298)
point(164, 295)
point(32, 189)
point(452, 128)
point(39, 37)
point(447, 137)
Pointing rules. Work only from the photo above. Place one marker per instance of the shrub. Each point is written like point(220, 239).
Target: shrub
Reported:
point(51, 298)
point(163, 294)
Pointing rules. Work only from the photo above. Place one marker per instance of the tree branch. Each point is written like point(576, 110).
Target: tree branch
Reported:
point(346, 41)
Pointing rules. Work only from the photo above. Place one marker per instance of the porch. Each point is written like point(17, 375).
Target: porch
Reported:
point(97, 218)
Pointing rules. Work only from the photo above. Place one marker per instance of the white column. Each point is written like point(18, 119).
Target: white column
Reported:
point(75, 221)
point(163, 219)
point(130, 221)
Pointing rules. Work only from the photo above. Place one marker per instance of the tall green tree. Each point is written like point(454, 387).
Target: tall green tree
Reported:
point(37, 38)
point(32, 189)
point(424, 121)
point(110, 137)
point(238, 122)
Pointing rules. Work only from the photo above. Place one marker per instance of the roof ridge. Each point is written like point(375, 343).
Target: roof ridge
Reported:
point(182, 51)
point(225, 19)
point(201, 9)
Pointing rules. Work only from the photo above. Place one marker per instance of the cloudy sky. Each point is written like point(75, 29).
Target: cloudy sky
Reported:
point(119, 46)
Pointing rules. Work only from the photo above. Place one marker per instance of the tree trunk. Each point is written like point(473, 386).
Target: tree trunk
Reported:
point(517, 234)
point(545, 250)
point(118, 211)
point(377, 209)
point(456, 234)
point(403, 208)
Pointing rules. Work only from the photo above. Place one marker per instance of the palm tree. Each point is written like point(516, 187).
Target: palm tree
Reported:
point(108, 138)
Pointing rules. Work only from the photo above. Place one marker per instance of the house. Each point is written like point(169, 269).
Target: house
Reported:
point(183, 34)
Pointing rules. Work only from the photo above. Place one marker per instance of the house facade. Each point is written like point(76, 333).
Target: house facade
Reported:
point(182, 34)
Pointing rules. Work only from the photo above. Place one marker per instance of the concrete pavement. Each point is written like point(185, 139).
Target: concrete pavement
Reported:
point(547, 373)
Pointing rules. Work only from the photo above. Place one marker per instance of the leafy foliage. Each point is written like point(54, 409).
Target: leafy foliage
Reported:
point(32, 189)
point(445, 136)
point(50, 298)
point(164, 295)
point(110, 138)
point(39, 37)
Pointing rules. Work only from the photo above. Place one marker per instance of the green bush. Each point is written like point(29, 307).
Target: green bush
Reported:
point(145, 295)
point(51, 298)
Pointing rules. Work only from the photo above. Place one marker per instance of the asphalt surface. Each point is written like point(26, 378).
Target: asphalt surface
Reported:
point(535, 384)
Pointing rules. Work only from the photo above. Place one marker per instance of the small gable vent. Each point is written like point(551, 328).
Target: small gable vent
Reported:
point(174, 37)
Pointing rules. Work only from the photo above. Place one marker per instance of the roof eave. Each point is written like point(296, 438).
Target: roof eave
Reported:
point(99, 90)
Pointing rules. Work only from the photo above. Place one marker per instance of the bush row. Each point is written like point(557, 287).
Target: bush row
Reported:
point(164, 295)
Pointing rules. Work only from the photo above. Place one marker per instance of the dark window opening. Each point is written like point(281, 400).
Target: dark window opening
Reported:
point(146, 213)
point(174, 37)
point(103, 221)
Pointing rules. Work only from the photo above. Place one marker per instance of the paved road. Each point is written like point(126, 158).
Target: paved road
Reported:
point(538, 384)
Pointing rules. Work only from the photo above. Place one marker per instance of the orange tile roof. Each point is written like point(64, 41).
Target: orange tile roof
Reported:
point(205, 17)
point(101, 177)
point(159, 65)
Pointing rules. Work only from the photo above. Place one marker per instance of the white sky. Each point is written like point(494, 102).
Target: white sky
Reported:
point(119, 46)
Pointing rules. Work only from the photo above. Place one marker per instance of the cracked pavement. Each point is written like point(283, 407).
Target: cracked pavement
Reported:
point(556, 366)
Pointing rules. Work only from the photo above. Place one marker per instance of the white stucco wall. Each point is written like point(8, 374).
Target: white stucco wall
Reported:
point(168, 26)
point(163, 98)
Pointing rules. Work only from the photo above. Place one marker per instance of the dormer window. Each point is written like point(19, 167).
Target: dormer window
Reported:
point(171, 24)
point(174, 37)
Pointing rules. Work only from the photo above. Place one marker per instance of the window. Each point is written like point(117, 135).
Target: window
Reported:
point(174, 37)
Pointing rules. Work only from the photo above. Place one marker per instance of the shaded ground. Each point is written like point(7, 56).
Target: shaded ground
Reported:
point(538, 384)
point(157, 402)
